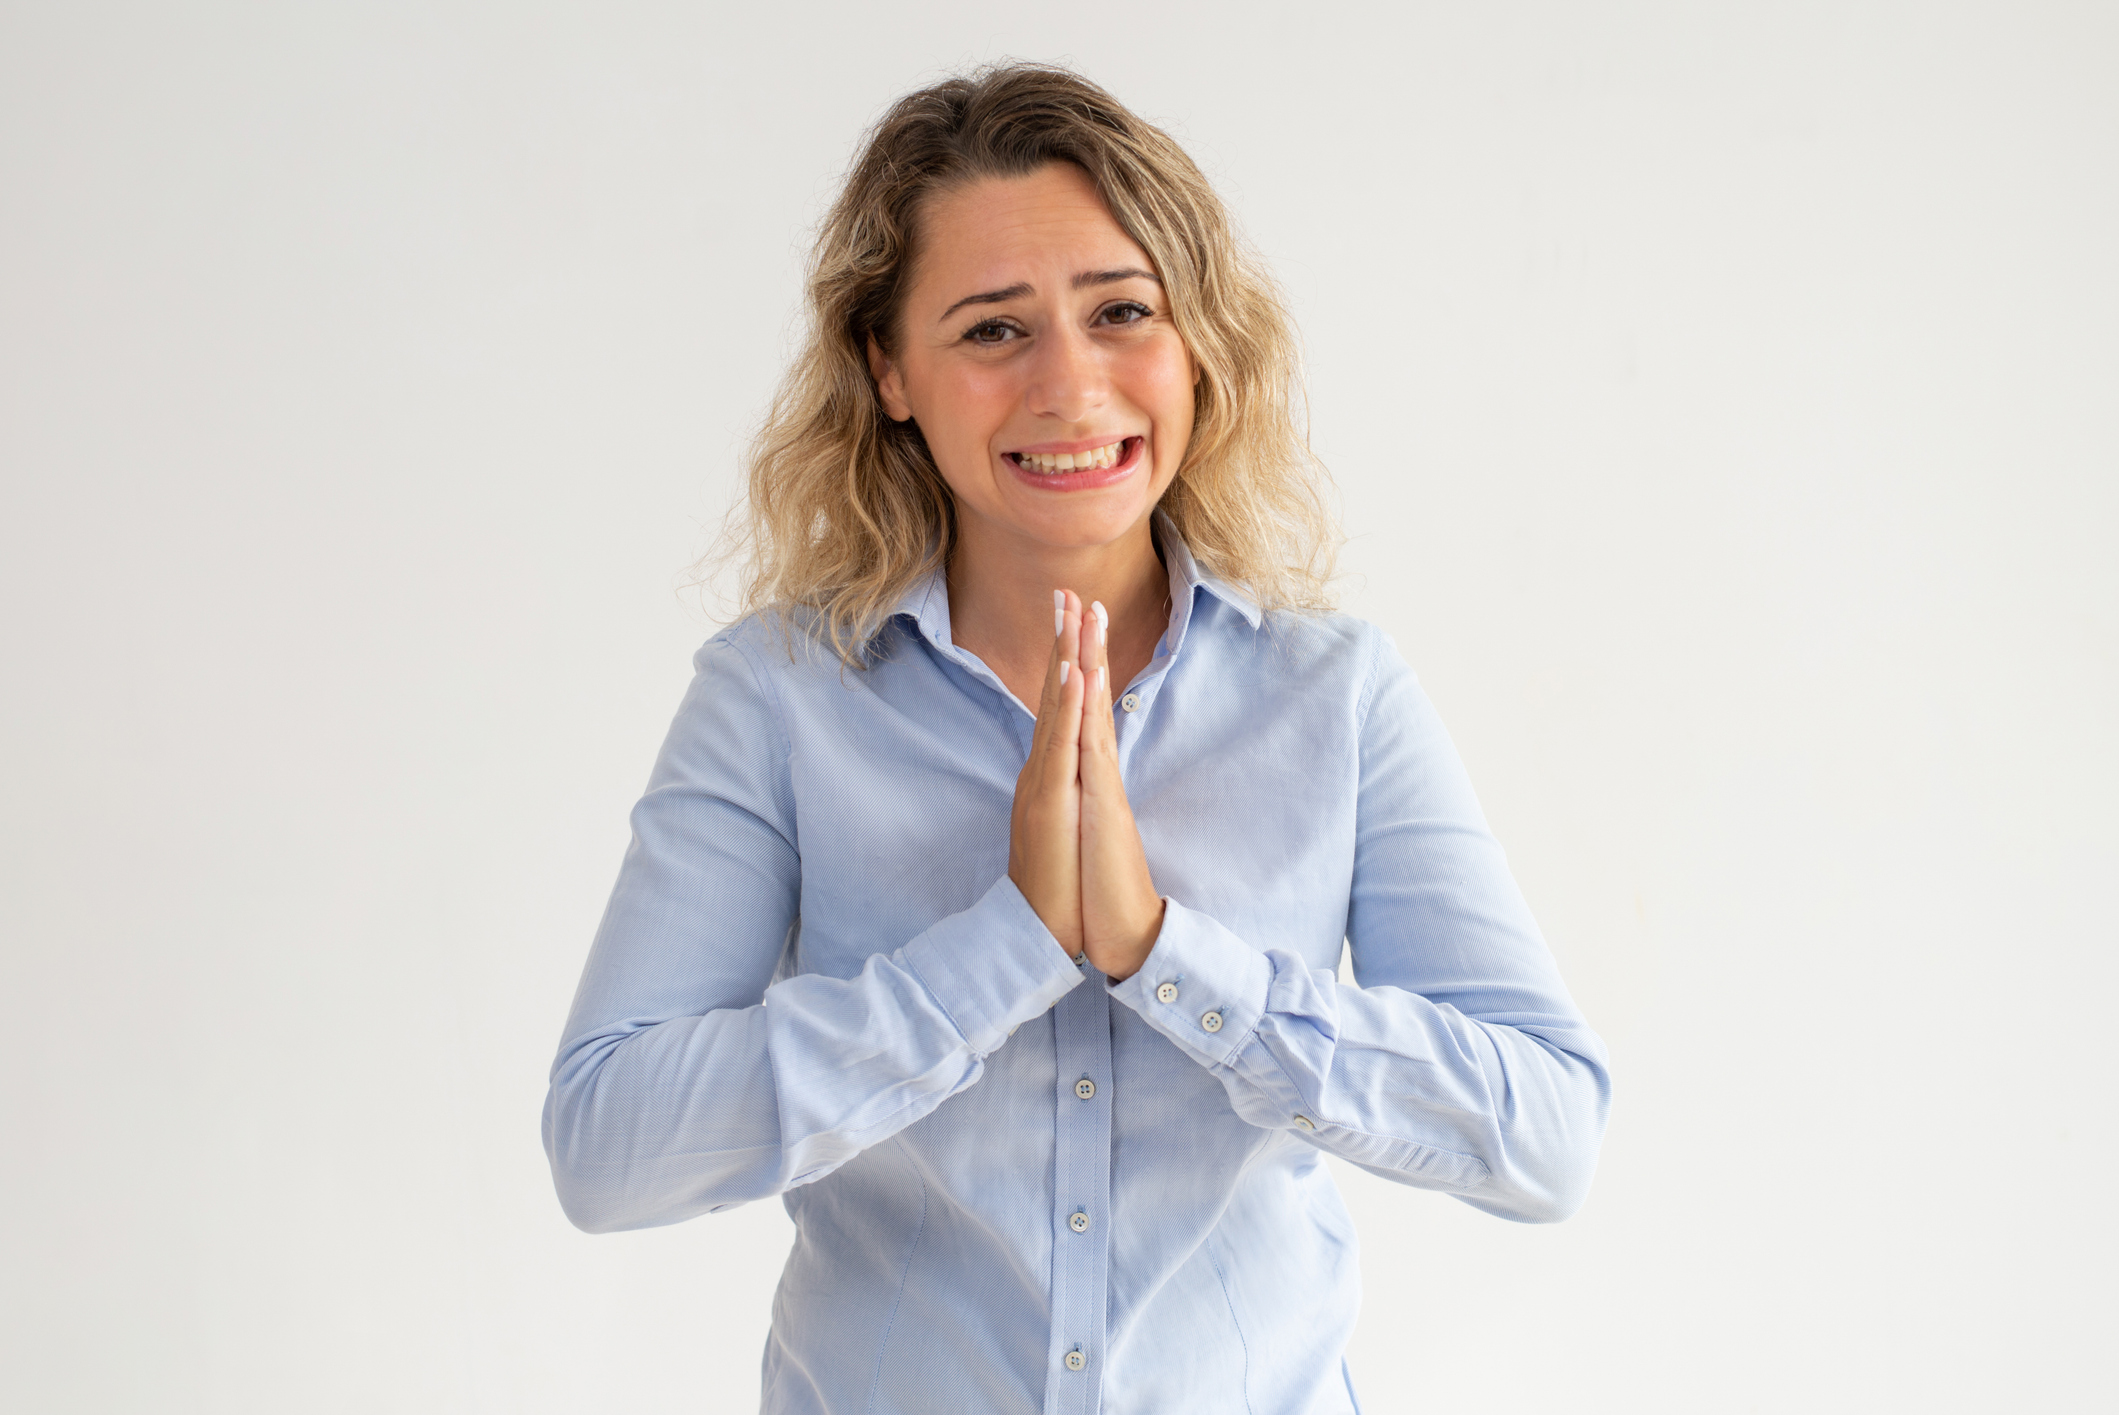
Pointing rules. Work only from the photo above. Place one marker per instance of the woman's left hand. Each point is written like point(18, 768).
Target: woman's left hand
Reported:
point(1121, 912)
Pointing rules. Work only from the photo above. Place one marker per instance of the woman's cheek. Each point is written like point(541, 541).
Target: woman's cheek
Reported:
point(1168, 394)
point(1167, 371)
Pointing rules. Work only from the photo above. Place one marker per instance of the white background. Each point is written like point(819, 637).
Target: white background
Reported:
point(1725, 404)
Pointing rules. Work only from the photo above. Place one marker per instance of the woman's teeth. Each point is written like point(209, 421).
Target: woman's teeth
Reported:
point(1094, 459)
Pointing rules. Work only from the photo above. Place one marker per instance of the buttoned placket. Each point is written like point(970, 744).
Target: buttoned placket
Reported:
point(1129, 710)
point(1081, 1197)
point(1081, 1033)
point(1081, 1178)
point(1081, 1191)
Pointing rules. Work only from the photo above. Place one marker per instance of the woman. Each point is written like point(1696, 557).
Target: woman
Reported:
point(987, 899)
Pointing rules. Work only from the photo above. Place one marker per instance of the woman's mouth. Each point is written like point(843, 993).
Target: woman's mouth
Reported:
point(1092, 466)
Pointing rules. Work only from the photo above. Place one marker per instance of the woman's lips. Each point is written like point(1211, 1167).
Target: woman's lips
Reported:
point(1093, 466)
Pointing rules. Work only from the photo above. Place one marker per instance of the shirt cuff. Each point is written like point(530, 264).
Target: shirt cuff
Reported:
point(1201, 986)
point(992, 967)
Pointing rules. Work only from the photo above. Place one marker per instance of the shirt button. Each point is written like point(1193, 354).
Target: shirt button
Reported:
point(1075, 1359)
point(1166, 993)
point(1212, 1021)
point(1130, 702)
point(1305, 1122)
point(1078, 1221)
point(1085, 1088)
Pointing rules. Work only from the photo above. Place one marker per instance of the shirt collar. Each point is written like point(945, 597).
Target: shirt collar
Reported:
point(1186, 577)
point(926, 603)
point(926, 600)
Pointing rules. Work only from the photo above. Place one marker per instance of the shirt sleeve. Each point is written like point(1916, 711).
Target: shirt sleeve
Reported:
point(1458, 1062)
point(688, 1080)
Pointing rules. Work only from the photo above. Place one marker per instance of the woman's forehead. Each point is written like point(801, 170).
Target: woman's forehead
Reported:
point(1043, 230)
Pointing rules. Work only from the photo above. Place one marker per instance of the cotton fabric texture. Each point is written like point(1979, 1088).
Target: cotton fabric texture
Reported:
point(1017, 1187)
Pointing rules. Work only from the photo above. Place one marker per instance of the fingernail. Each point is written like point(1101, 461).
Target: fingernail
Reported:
point(1103, 677)
point(1103, 620)
point(1064, 666)
point(1059, 614)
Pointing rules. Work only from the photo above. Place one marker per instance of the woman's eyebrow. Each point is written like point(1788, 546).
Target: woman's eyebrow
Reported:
point(1111, 277)
point(991, 297)
point(1080, 282)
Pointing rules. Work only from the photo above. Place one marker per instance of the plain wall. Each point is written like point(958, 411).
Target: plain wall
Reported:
point(1724, 401)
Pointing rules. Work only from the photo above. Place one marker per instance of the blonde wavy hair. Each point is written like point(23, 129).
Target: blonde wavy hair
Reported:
point(845, 508)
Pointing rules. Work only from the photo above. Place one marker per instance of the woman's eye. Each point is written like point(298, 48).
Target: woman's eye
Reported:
point(1127, 312)
point(993, 331)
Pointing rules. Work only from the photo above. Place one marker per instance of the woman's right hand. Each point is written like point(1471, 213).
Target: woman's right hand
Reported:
point(1044, 829)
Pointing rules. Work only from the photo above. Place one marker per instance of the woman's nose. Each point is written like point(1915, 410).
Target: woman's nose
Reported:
point(1068, 380)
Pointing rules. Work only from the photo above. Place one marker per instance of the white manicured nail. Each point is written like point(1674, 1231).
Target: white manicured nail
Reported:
point(1103, 678)
point(1064, 666)
point(1103, 620)
point(1059, 615)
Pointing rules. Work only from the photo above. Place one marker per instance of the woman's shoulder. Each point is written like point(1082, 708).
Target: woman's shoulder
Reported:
point(769, 644)
point(1330, 643)
point(1326, 632)
point(784, 657)
point(1320, 656)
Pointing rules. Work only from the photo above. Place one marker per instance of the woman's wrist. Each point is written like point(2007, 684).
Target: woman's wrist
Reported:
point(1132, 957)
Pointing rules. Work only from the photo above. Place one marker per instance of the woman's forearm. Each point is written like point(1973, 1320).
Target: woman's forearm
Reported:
point(1506, 1115)
point(1460, 1063)
point(687, 1079)
point(653, 1121)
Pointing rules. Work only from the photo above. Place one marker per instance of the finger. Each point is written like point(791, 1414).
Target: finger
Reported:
point(1060, 664)
point(1045, 828)
point(1120, 908)
point(1062, 744)
point(1096, 665)
point(1048, 691)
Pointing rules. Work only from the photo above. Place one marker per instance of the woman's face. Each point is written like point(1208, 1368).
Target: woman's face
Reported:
point(1036, 354)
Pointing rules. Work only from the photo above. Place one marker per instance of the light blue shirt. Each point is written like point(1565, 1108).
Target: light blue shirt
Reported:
point(1017, 1187)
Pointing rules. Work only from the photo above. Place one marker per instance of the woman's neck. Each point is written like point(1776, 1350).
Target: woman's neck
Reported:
point(1000, 602)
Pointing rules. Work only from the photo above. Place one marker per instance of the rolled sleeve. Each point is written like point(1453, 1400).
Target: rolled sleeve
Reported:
point(1201, 986)
point(992, 967)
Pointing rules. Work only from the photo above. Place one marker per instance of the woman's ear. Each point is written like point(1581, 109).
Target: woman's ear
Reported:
point(889, 382)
